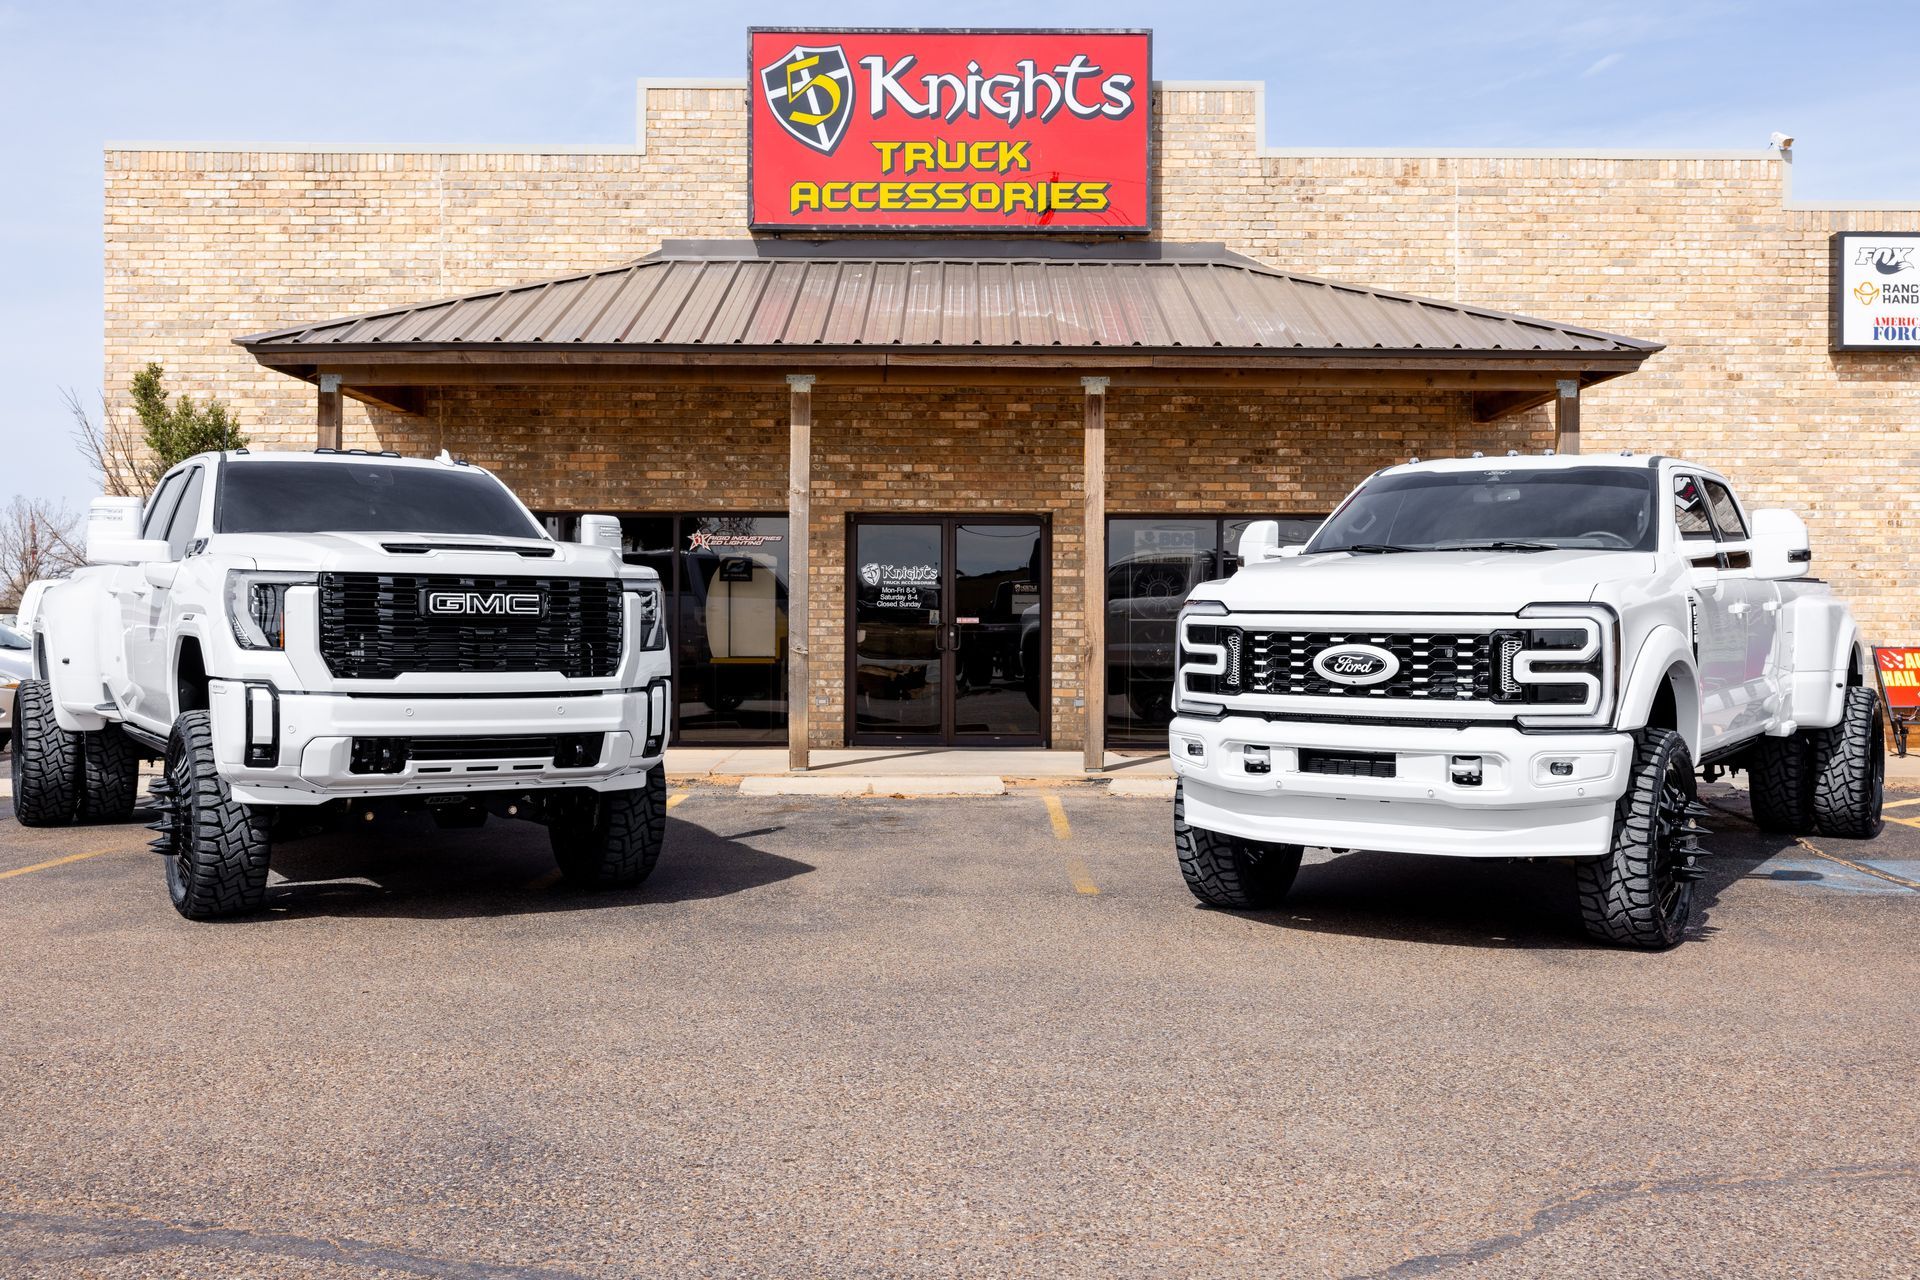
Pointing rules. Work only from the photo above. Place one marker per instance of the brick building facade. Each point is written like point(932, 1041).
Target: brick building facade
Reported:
point(1706, 253)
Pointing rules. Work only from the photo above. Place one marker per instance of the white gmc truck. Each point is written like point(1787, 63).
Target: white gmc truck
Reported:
point(324, 634)
point(1519, 657)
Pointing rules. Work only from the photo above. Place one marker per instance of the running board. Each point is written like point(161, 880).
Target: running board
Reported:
point(151, 741)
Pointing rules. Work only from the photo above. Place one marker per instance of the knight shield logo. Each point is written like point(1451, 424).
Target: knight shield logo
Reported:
point(810, 92)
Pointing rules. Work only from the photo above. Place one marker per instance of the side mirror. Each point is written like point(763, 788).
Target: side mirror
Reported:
point(160, 573)
point(1292, 549)
point(113, 532)
point(1261, 542)
point(1704, 577)
point(600, 531)
point(1779, 546)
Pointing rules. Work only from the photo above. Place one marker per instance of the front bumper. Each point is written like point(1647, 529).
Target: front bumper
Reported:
point(311, 758)
point(1520, 809)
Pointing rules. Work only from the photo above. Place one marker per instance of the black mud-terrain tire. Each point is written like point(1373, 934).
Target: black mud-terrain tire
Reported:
point(1224, 871)
point(216, 848)
point(610, 839)
point(109, 775)
point(1780, 784)
point(1640, 892)
point(46, 760)
point(1849, 769)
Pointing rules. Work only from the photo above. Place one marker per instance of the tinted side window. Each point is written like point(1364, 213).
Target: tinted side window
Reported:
point(1690, 508)
point(160, 507)
point(180, 528)
point(1726, 512)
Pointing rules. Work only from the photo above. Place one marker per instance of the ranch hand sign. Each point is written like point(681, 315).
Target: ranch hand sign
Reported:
point(948, 130)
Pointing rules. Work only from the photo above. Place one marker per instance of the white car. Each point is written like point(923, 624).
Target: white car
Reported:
point(1520, 657)
point(16, 664)
point(344, 631)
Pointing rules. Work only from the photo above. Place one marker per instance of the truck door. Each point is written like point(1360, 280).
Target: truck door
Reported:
point(1756, 601)
point(1720, 644)
point(148, 610)
point(135, 598)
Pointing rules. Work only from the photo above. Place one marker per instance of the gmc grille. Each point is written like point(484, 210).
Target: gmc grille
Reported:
point(372, 627)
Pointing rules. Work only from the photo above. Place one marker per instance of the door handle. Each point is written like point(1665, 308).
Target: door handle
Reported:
point(1737, 607)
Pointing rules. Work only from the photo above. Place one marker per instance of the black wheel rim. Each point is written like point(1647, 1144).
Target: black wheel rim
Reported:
point(1670, 890)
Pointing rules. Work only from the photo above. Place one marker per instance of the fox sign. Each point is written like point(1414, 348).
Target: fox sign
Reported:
point(951, 130)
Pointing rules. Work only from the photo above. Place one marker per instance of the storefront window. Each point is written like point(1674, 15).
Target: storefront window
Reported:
point(726, 579)
point(1152, 564)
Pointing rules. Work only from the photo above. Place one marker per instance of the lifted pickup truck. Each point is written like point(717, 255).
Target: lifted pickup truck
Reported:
point(303, 636)
point(1520, 657)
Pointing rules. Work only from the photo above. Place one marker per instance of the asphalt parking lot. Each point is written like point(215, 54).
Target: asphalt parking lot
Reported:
point(950, 1037)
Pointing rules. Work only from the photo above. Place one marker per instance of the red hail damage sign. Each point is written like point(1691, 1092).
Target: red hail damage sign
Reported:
point(948, 130)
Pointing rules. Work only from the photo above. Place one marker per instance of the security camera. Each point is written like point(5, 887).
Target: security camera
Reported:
point(1784, 141)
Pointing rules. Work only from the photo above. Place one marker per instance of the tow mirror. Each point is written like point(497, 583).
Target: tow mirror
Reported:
point(113, 533)
point(160, 573)
point(1780, 545)
point(600, 531)
point(1704, 577)
point(1261, 542)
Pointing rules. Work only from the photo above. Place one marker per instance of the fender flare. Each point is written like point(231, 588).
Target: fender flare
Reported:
point(1664, 653)
point(70, 633)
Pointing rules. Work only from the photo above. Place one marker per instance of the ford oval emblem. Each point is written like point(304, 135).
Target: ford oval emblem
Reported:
point(1356, 664)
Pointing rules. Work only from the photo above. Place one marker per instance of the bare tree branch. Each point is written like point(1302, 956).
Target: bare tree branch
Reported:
point(112, 449)
point(38, 539)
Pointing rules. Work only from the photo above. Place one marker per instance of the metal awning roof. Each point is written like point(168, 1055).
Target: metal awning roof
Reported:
point(732, 297)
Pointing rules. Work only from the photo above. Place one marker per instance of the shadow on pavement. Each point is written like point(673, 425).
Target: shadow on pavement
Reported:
point(405, 866)
point(1466, 902)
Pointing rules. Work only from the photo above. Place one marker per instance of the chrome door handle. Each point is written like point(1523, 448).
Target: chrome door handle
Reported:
point(1737, 607)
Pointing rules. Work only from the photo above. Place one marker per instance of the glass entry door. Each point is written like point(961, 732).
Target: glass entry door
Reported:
point(948, 643)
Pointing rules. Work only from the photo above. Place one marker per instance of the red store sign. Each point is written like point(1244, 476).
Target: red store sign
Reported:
point(949, 130)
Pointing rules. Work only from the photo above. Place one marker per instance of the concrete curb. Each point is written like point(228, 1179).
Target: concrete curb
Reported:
point(1143, 788)
point(902, 787)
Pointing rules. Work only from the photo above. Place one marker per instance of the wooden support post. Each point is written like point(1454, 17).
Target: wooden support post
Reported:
point(1566, 416)
point(330, 412)
point(799, 566)
point(1093, 653)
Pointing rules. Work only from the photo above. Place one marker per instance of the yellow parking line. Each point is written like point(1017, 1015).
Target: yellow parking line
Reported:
point(57, 862)
point(1899, 804)
point(676, 798)
point(1077, 872)
point(1906, 822)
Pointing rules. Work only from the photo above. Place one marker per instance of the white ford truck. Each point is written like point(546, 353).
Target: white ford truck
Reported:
point(1520, 657)
point(327, 634)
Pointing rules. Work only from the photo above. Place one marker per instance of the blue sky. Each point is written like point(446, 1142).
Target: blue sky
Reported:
point(1513, 73)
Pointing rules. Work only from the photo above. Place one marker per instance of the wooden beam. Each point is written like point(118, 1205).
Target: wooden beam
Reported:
point(330, 414)
point(411, 400)
point(799, 567)
point(1566, 416)
point(1093, 651)
point(1488, 406)
point(412, 372)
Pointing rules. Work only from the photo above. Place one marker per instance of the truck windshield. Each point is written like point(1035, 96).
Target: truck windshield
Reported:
point(11, 639)
point(355, 497)
point(1599, 508)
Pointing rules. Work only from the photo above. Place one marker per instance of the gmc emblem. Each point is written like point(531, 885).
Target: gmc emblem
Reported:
point(520, 604)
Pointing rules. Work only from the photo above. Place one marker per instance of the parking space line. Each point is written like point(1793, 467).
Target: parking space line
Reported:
point(1906, 822)
point(1077, 873)
point(1900, 804)
point(676, 798)
point(1851, 865)
point(1057, 814)
point(58, 862)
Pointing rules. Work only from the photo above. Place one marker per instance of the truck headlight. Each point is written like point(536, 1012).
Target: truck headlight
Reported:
point(257, 606)
point(1207, 658)
point(652, 611)
point(1561, 665)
